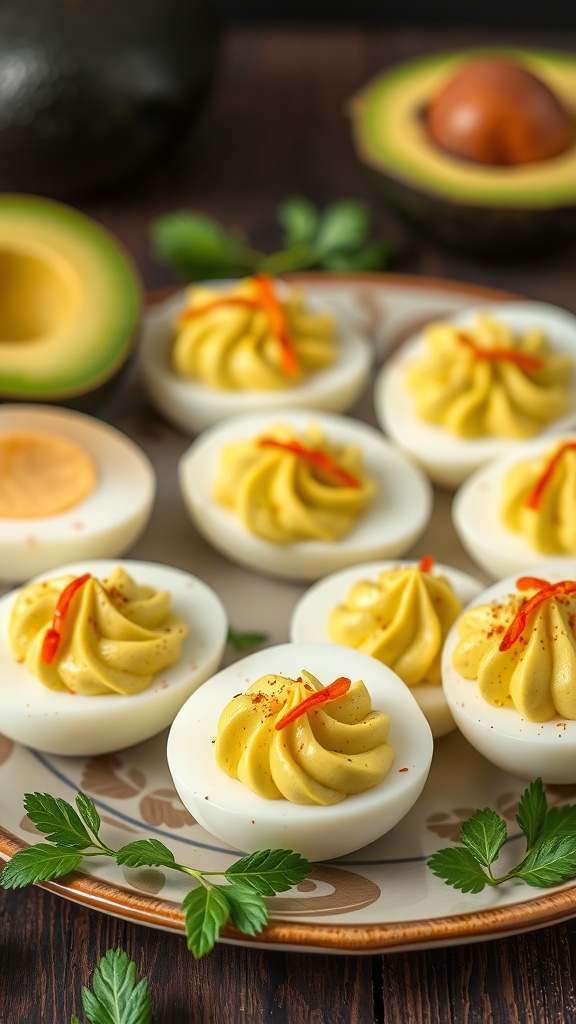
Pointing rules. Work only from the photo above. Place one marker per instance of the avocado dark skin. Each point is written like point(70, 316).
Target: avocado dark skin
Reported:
point(92, 91)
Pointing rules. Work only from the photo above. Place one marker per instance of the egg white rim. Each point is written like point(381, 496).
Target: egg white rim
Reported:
point(464, 697)
point(392, 522)
point(190, 740)
point(450, 459)
point(119, 463)
point(193, 406)
point(192, 599)
point(476, 513)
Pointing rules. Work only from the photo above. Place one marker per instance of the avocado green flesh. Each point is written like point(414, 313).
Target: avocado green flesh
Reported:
point(390, 135)
point(69, 301)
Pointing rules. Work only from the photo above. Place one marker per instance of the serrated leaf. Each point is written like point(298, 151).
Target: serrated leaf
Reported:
point(205, 912)
point(145, 853)
point(57, 819)
point(248, 911)
point(88, 812)
point(38, 863)
point(552, 862)
point(269, 871)
point(532, 812)
point(459, 868)
point(484, 835)
point(299, 219)
point(118, 998)
point(560, 822)
point(244, 641)
point(343, 225)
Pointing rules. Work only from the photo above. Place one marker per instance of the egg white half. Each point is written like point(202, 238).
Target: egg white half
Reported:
point(526, 749)
point(448, 459)
point(309, 622)
point(106, 523)
point(249, 822)
point(59, 722)
point(477, 520)
point(392, 522)
point(192, 406)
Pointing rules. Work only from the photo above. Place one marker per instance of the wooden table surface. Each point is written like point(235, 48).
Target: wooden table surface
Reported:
point(275, 126)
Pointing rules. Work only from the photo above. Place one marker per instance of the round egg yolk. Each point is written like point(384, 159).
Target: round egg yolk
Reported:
point(42, 474)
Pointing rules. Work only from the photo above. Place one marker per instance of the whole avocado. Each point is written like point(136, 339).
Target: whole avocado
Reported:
point(91, 91)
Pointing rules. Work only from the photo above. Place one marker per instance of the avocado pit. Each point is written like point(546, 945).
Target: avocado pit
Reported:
point(494, 111)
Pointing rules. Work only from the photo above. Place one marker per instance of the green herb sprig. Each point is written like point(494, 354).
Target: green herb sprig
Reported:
point(245, 641)
point(197, 247)
point(73, 834)
point(550, 857)
point(117, 996)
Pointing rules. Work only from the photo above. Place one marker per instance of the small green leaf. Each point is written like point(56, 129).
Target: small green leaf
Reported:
point(269, 871)
point(38, 864)
point(88, 812)
point(244, 641)
point(374, 255)
point(484, 835)
point(74, 1019)
point(459, 868)
point(146, 853)
point(532, 812)
point(57, 819)
point(117, 998)
point(199, 248)
point(299, 218)
point(552, 862)
point(248, 911)
point(344, 225)
point(205, 913)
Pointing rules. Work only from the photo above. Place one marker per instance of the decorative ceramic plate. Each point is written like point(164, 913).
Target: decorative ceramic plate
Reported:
point(379, 899)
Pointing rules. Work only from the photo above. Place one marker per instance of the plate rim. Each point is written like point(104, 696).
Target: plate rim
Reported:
point(469, 926)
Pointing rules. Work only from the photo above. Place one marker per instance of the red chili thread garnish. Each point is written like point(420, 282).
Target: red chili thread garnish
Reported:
point(535, 497)
point(334, 690)
point(531, 583)
point(266, 300)
point(510, 355)
point(518, 624)
point(427, 563)
point(53, 635)
point(320, 459)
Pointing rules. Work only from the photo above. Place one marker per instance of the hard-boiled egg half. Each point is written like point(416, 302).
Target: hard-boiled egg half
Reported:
point(399, 613)
point(71, 487)
point(520, 509)
point(245, 819)
point(234, 361)
point(487, 377)
point(255, 484)
point(120, 646)
point(509, 671)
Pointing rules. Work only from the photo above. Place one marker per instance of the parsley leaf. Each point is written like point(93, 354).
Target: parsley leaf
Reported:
point(117, 997)
point(244, 641)
point(550, 841)
point(337, 238)
point(207, 907)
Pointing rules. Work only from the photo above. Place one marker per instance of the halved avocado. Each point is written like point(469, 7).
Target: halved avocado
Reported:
point(480, 207)
point(70, 300)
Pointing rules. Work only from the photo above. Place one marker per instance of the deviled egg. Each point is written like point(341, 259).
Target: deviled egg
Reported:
point(397, 612)
point(494, 374)
point(372, 712)
point(227, 348)
point(509, 673)
point(71, 487)
point(99, 655)
point(520, 509)
point(255, 485)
